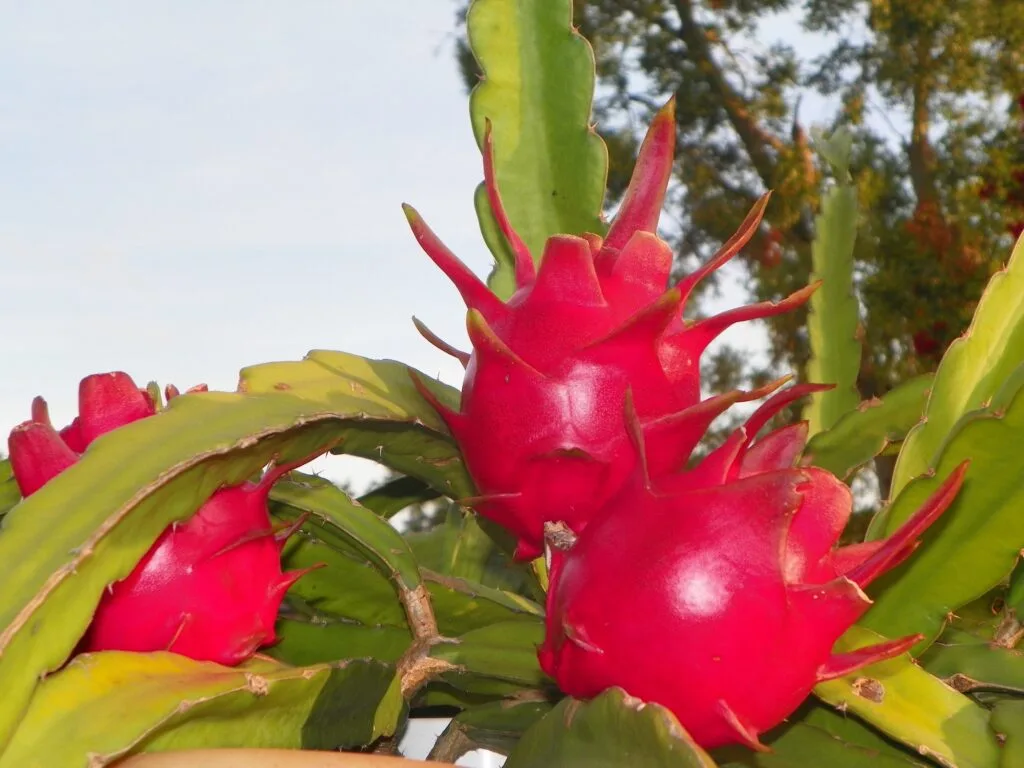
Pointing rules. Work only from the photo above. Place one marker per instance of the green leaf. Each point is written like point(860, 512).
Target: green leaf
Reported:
point(461, 606)
point(159, 701)
point(973, 369)
point(609, 731)
point(975, 543)
point(903, 701)
point(496, 726)
point(1008, 722)
point(318, 640)
point(10, 494)
point(410, 438)
point(863, 433)
point(834, 318)
point(89, 526)
point(460, 547)
point(970, 663)
point(370, 534)
point(347, 586)
point(817, 735)
point(501, 651)
point(537, 91)
point(395, 495)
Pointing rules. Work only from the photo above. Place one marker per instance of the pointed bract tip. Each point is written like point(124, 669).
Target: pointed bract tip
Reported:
point(894, 548)
point(774, 404)
point(37, 455)
point(452, 418)
point(40, 411)
point(641, 205)
point(472, 289)
point(282, 534)
point(667, 111)
point(635, 430)
point(842, 664)
point(439, 343)
point(745, 734)
point(411, 214)
point(525, 269)
point(489, 346)
point(288, 579)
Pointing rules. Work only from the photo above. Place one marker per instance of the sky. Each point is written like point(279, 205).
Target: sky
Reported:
point(190, 188)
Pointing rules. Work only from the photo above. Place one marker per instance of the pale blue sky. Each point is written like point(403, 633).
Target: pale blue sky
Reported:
point(189, 188)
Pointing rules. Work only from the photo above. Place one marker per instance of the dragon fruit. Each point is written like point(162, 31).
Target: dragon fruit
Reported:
point(540, 424)
point(209, 588)
point(719, 593)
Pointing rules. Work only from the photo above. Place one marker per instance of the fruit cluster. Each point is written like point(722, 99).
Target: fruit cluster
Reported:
point(717, 590)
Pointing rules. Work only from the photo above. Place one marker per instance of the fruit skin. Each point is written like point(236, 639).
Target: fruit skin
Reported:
point(719, 593)
point(209, 588)
point(540, 424)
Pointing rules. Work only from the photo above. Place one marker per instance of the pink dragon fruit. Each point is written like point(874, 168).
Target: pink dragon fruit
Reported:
point(209, 588)
point(540, 425)
point(719, 593)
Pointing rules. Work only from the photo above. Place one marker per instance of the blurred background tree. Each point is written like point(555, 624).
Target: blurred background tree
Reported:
point(932, 90)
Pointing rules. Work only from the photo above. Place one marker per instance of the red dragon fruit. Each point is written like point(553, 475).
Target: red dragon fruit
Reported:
point(210, 587)
point(540, 425)
point(719, 593)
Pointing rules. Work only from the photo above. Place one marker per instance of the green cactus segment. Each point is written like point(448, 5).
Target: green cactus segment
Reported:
point(911, 706)
point(346, 585)
point(863, 433)
point(802, 746)
point(496, 726)
point(970, 663)
point(461, 606)
point(834, 317)
point(460, 547)
point(609, 731)
point(348, 607)
point(90, 525)
point(1008, 723)
point(380, 389)
point(979, 538)
point(394, 496)
point(333, 510)
point(321, 639)
point(816, 736)
point(537, 91)
point(502, 651)
point(973, 369)
point(9, 493)
point(159, 701)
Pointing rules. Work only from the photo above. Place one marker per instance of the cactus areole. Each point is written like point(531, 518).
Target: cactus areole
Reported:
point(719, 593)
point(540, 422)
point(209, 588)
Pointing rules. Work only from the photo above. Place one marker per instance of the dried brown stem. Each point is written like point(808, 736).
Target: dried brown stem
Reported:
point(416, 668)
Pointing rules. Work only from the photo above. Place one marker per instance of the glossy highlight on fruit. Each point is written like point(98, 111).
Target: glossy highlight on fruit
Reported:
point(719, 593)
point(210, 587)
point(540, 423)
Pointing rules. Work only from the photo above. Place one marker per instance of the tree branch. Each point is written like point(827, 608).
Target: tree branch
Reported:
point(758, 144)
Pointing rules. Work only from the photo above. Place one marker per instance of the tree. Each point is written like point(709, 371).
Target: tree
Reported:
point(930, 89)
